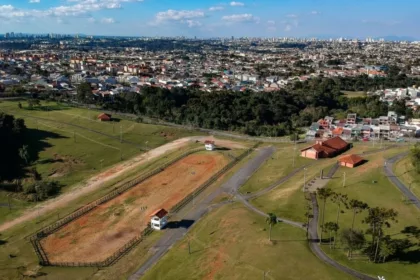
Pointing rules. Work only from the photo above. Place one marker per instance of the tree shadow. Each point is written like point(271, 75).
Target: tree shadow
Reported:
point(222, 149)
point(38, 142)
point(180, 224)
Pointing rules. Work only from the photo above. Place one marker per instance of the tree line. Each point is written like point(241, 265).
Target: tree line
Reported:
point(15, 162)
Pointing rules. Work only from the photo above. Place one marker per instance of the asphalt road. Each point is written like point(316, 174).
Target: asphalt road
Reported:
point(394, 179)
point(172, 235)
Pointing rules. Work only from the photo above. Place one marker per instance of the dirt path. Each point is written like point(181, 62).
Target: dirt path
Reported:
point(98, 180)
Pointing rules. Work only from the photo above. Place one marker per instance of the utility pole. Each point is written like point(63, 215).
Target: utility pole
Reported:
point(121, 158)
point(344, 180)
point(121, 139)
point(294, 152)
point(10, 206)
point(304, 178)
point(74, 137)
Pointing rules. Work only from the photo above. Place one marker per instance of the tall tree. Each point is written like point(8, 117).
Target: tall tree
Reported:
point(377, 219)
point(271, 220)
point(84, 92)
point(331, 227)
point(324, 194)
point(352, 240)
point(357, 207)
point(340, 200)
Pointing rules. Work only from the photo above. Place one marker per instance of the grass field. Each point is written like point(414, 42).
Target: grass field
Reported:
point(99, 233)
point(25, 259)
point(279, 165)
point(405, 171)
point(232, 243)
point(352, 94)
point(69, 154)
point(369, 184)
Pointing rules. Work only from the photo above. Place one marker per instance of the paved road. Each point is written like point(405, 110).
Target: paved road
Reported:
point(172, 235)
point(394, 179)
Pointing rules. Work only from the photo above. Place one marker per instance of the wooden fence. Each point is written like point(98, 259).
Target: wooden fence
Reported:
point(35, 238)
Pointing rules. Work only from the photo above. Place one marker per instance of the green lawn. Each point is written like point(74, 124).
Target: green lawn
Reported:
point(26, 259)
point(381, 193)
point(288, 200)
point(407, 174)
point(232, 243)
point(69, 154)
point(279, 165)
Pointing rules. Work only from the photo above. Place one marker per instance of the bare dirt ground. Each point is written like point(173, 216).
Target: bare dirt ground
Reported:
point(98, 180)
point(101, 232)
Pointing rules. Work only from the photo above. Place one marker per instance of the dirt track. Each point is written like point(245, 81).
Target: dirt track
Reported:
point(101, 232)
point(98, 180)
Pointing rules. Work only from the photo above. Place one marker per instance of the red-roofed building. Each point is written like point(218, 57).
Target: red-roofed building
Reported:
point(159, 219)
point(325, 149)
point(104, 117)
point(350, 161)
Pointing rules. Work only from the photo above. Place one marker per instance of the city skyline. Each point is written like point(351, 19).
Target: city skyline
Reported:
point(204, 19)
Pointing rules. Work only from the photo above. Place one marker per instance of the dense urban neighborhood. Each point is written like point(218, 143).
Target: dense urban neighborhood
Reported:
point(223, 158)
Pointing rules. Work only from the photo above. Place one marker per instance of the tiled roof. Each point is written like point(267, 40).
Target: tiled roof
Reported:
point(159, 213)
point(335, 143)
point(351, 159)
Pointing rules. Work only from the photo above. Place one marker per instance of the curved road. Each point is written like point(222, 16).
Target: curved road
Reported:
point(394, 179)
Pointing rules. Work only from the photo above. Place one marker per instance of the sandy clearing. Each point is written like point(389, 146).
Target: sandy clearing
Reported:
point(101, 232)
point(98, 180)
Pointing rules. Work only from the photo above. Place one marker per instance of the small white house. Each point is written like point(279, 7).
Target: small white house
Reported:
point(159, 219)
point(209, 145)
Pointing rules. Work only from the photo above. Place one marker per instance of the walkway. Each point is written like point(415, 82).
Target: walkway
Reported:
point(394, 179)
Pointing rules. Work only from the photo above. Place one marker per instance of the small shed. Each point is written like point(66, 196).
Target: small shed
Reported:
point(209, 145)
point(350, 161)
point(104, 117)
point(159, 219)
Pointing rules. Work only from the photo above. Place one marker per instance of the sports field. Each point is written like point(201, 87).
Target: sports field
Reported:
point(98, 234)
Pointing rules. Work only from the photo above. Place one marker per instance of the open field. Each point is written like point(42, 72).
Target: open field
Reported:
point(369, 184)
point(232, 243)
point(280, 164)
point(70, 154)
point(406, 172)
point(99, 233)
point(352, 94)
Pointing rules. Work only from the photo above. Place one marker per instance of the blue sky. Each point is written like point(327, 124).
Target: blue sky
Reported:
point(213, 18)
